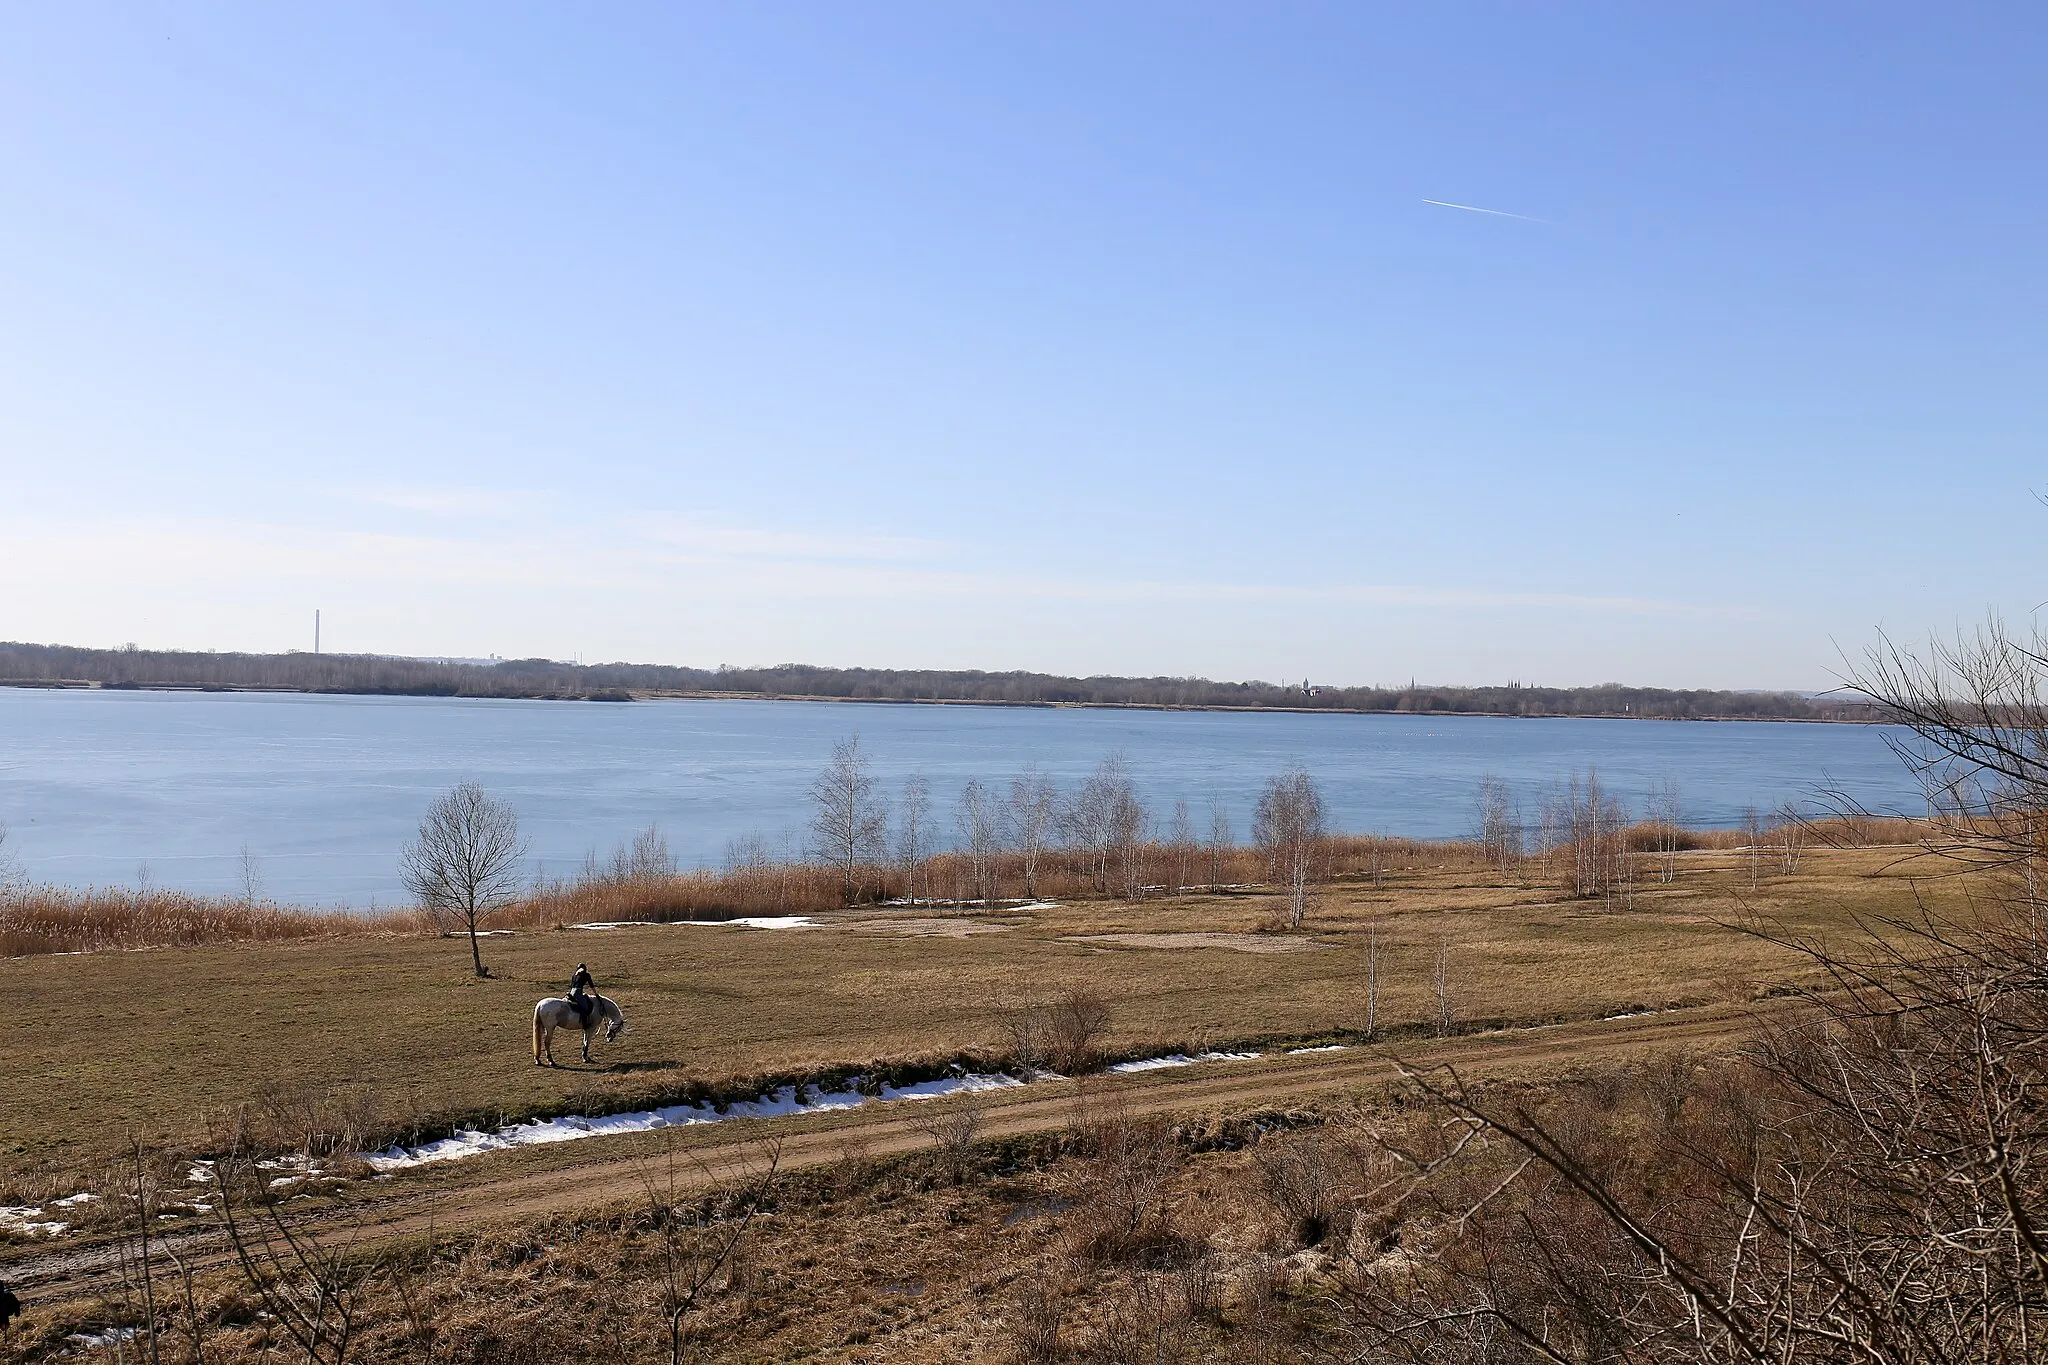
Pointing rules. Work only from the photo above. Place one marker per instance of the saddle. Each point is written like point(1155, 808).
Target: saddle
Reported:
point(583, 1005)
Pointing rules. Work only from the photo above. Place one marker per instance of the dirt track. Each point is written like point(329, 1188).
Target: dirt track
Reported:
point(607, 1171)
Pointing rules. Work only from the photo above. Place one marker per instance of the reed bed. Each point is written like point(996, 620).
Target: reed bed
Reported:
point(46, 919)
point(43, 919)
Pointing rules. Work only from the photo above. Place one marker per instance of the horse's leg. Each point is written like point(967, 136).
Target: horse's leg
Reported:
point(586, 1047)
point(547, 1042)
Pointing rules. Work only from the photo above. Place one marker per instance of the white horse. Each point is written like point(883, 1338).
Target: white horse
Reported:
point(555, 1012)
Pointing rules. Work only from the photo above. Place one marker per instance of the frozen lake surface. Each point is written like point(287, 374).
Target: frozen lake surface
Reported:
point(103, 787)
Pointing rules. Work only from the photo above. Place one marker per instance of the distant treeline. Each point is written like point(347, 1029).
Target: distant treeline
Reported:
point(53, 665)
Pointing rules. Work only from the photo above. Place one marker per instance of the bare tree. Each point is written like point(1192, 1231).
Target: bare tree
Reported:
point(1665, 813)
point(464, 866)
point(1972, 714)
point(980, 819)
point(1222, 841)
point(913, 838)
point(1180, 848)
point(1288, 825)
point(952, 1126)
point(249, 876)
point(1104, 822)
point(308, 1286)
point(138, 1273)
point(1791, 838)
point(1131, 825)
point(11, 871)
point(701, 1240)
point(645, 857)
point(1499, 824)
point(1034, 813)
point(1588, 828)
point(849, 827)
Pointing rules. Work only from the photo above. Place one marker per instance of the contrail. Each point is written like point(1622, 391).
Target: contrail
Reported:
point(1473, 208)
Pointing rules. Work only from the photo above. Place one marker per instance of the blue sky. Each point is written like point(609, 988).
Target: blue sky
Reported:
point(1079, 338)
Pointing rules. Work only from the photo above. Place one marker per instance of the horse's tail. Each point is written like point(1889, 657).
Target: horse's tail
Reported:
point(536, 1032)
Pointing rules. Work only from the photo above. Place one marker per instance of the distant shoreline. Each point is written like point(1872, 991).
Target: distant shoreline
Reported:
point(656, 695)
point(550, 680)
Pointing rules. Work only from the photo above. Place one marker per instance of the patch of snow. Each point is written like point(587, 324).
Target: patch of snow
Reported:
point(73, 1201)
point(294, 1161)
point(28, 1218)
point(1326, 1047)
point(950, 1085)
point(1152, 1064)
point(1180, 1059)
point(751, 922)
point(1635, 1014)
point(200, 1174)
point(571, 1128)
point(113, 1336)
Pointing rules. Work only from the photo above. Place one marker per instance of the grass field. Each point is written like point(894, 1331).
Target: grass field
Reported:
point(388, 1034)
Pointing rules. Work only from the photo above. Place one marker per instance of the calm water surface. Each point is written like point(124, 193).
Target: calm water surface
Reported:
point(99, 788)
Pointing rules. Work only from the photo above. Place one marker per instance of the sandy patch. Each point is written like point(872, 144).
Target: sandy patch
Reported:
point(1239, 943)
point(916, 927)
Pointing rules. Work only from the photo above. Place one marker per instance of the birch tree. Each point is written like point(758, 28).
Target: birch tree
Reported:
point(849, 826)
point(1499, 824)
point(1034, 811)
point(1588, 827)
point(1289, 825)
point(913, 839)
point(1222, 841)
point(980, 819)
point(1104, 822)
point(1180, 847)
point(1664, 812)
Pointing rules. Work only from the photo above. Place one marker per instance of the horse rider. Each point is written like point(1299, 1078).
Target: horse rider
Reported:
point(582, 987)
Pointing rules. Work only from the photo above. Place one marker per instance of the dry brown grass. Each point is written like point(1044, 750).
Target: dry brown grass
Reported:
point(391, 1033)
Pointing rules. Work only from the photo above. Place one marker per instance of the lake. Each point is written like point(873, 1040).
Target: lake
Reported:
point(100, 787)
